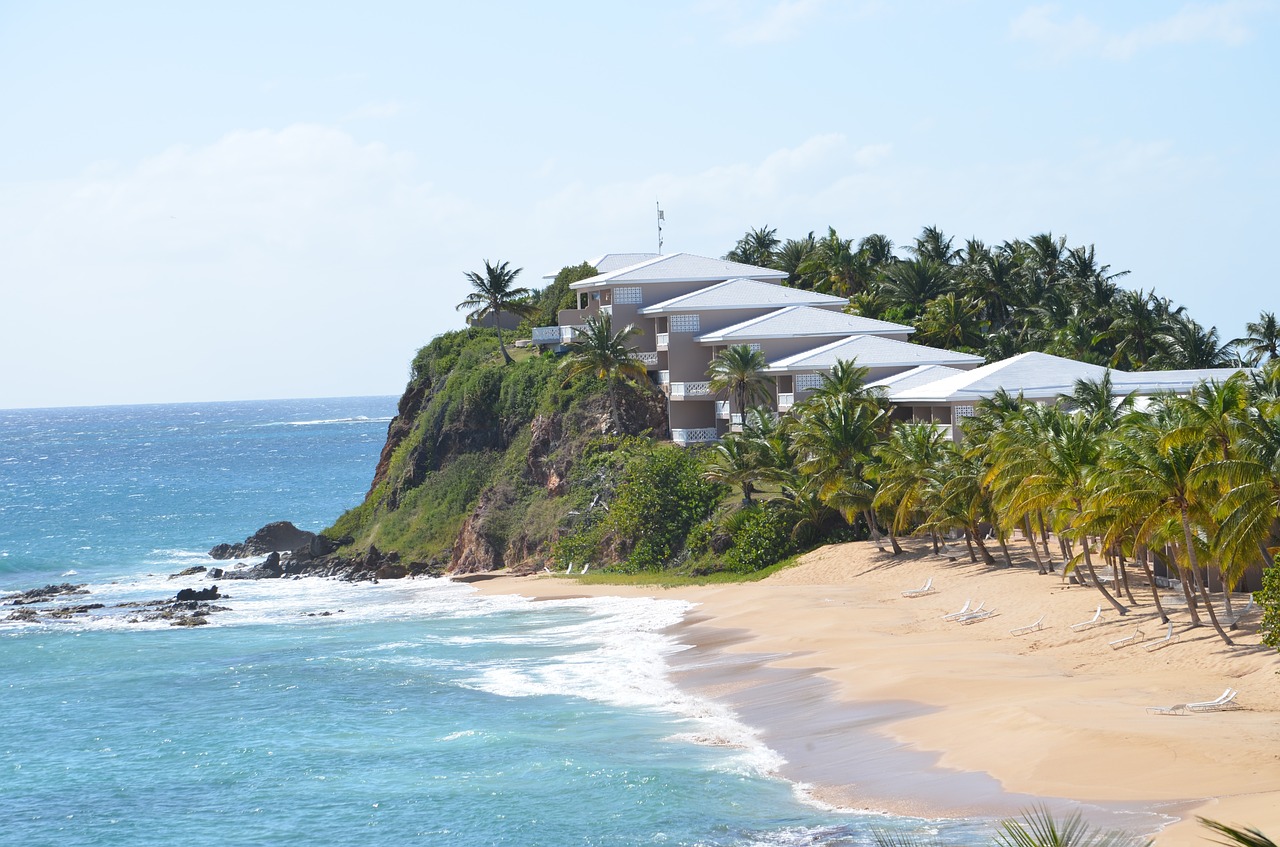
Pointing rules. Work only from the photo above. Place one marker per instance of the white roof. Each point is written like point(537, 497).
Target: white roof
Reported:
point(870, 351)
point(1035, 375)
point(922, 375)
point(743, 294)
point(1040, 376)
point(611, 262)
point(798, 321)
point(679, 267)
point(1179, 382)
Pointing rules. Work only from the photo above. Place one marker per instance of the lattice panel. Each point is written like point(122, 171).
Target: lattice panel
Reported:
point(686, 323)
point(963, 412)
point(631, 295)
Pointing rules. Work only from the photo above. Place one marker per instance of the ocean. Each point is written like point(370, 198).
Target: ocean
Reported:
point(321, 712)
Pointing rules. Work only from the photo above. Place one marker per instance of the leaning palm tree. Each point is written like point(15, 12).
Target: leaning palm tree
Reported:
point(903, 473)
point(494, 294)
point(739, 371)
point(736, 461)
point(598, 350)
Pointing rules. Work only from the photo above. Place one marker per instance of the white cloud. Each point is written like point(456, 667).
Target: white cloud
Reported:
point(267, 263)
point(1225, 23)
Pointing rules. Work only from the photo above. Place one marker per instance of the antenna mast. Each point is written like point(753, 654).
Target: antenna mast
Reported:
point(661, 217)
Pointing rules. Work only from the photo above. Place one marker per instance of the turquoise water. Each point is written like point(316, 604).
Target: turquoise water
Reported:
point(414, 713)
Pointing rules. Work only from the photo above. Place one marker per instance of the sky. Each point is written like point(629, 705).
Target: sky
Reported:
point(251, 200)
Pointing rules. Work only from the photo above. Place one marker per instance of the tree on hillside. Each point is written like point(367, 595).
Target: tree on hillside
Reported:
point(495, 292)
point(598, 350)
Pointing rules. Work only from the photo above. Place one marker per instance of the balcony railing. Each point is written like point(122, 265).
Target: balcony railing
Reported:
point(703, 435)
point(722, 409)
point(650, 359)
point(662, 338)
point(664, 377)
point(554, 334)
point(684, 390)
point(786, 401)
point(606, 310)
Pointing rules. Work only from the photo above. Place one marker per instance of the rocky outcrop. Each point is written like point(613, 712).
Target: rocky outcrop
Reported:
point(43, 595)
point(278, 537)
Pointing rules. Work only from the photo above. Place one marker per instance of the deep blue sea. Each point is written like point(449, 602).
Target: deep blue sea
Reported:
point(416, 712)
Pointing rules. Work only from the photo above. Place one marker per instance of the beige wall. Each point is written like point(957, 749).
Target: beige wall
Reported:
point(692, 414)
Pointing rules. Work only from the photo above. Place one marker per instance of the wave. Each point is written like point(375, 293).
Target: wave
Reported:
point(357, 419)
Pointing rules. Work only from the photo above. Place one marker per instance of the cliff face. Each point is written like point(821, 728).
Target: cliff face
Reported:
point(476, 462)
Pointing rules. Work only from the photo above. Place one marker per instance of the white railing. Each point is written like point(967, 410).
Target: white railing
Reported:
point(606, 310)
point(650, 359)
point(568, 333)
point(546, 334)
point(786, 401)
point(663, 338)
point(664, 377)
point(682, 390)
point(683, 437)
point(722, 409)
point(945, 429)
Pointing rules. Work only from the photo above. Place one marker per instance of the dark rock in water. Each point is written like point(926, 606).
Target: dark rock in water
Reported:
point(189, 620)
point(68, 611)
point(278, 537)
point(214, 573)
point(270, 568)
point(41, 595)
point(23, 616)
point(189, 572)
point(391, 571)
point(190, 594)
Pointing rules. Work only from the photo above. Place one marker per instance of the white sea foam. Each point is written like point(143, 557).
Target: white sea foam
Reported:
point(357, 419)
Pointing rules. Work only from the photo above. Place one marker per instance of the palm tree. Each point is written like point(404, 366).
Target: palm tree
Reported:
point(739, 370)
point(903, 473)
point(1262, 342)
point(912, 284)
point(834, 267)
point(792, 255)
point(952, 323)
point(1136, 329)
point(837, 437)
point(598, 350)
point(758, 247)
point(735, 461)
point(494, 294)
point(1188, 345)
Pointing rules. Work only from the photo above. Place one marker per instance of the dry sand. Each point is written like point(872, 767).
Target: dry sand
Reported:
point(879, 703)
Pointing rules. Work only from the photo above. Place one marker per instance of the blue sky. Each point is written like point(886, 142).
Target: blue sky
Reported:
point(253, 200)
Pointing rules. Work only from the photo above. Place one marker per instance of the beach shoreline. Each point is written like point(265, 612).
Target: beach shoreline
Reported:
point(877, 703)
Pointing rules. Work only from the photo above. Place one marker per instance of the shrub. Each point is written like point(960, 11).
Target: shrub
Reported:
point(761, 537)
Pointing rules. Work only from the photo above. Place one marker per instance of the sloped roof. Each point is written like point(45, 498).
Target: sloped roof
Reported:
point(742, 294)
point(798, 321)
point(1179, 382)
point(1035, 375)
point(870, 351)
point(679, 267)
point(610, 262)
point(922, 375)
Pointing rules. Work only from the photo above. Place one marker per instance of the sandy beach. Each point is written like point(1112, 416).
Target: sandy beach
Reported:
point(877, 702)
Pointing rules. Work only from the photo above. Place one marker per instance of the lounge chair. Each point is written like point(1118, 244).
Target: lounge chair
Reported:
point(1093, 621)
point(1240, 614)
point(963, 610)
point(584, 567)
point(1225, 700)
point(945, 552)
point(1031, 627)
point(927, 588)
point(1179, 709)
point(974, 617)
point(1127, 640)
point(1168, 639)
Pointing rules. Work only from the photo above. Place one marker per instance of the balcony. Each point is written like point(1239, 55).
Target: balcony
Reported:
point(664, 377)
point(685, 437)
point(650, 359)
point(722, 410)
point(786, 401)
point(690, 390)
point(606, 310)
point(662, 339)
point(554, 334)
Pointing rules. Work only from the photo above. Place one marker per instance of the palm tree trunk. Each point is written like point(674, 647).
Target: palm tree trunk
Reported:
point(968, 541)
point(1145, 556)
point(1192, 605)
point(1044, 536)
point(497, 327)
point(1004, 548)
point(1124, 580)
point(1031, 539)
point(1204, 591)
point(615, 410)
point(893, 540)
point(986, 554)
point(1088, 563)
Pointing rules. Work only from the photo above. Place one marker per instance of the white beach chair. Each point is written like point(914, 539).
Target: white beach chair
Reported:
point(1093, 621)
point(1127, 640)
point(927, 588)
point(963, 610)
point(585, 567)
point(1031, 627)
point(1178, 709)
point(974, 617)
point(946, 553)
point(1168, 639)
point(1239, 616)
point(1226, 700)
